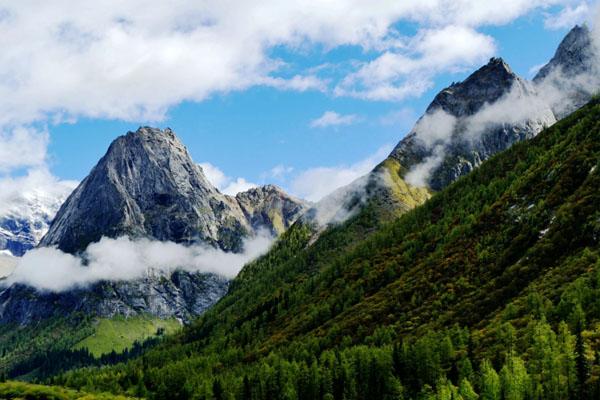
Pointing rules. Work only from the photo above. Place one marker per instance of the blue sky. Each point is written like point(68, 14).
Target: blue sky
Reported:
point(264, 131)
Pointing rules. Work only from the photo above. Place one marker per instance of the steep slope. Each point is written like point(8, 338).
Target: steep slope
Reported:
point(468, 122)
point(514, 245)
point(147, 186)
point(269, 207)
point(573, 70)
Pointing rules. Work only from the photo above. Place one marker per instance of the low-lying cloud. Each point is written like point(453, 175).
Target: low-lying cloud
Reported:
point(527, 107)
point(125, 259)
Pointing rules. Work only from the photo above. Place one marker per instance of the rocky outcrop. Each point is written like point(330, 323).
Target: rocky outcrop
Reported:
point(269, 207)
point(470, 121)
point(147, 186)
point(181, 295)
point(572, 76)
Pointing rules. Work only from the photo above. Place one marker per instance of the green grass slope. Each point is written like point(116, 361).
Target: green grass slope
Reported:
point(489, 289)
point(117, 334)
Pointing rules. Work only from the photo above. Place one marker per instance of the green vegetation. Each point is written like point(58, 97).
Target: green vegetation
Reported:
point(21, 390)
point(20, 343)
point(117, 334)
point(489, 289)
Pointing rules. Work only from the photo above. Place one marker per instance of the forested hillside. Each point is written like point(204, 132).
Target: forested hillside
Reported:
point(490, 289)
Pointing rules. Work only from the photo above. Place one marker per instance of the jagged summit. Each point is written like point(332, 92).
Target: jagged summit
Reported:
point(574, 55)
point(271, 208)
point(443, 145)
point(147, 185)
point(487, 84)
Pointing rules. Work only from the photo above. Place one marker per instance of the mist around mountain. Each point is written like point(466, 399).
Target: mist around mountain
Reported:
point(465, 265)
point(488, 289)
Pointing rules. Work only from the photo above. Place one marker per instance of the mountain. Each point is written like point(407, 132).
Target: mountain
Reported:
point(269, 207)
point(146, 186)
point(26, 216)
point(489, 287)
point(449, 140)
point(467, 123)
point(574, 56)
point(572, 76)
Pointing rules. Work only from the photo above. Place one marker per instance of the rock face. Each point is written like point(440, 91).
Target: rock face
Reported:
point(182, 295)
point(574, 56)
point(573, 70)
point(461, 127)
point(271, 208)
point(148, 186)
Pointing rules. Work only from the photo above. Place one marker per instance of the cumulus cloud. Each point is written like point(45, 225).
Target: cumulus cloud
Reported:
point(395, 75)
point(223, 182)
point(315, 183)
point(22, 147)
point(332, 118)
point(568, 17)
point(133, 60)
point(123, 259)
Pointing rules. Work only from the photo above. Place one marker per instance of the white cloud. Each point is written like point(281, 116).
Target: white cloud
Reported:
point(223, 182)
point(237, 186)
point(396, 75)
point(133, 60)
point(331, 118)
point(214, 175)
point(315, 183)
point(22, 147)
point(279, 172)
point(123, 259)
point(568, 17)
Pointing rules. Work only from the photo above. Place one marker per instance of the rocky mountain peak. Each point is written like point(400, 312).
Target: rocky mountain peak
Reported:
point(270, 207)
point(485, 85)
point(147, 185)
point(574, 55)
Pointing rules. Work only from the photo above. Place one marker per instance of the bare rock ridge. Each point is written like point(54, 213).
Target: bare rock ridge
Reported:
point(147, 185)
point(494, 108)
point(470, 121)
point(574, 55)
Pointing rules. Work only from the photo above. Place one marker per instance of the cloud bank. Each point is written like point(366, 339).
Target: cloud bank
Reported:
point(133, 60)
point(124, 259)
